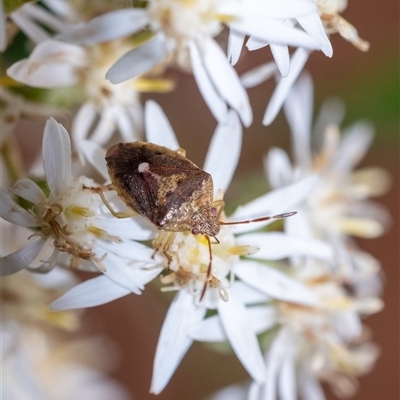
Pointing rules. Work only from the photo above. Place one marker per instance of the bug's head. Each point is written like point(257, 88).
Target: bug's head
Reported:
point(205, 222)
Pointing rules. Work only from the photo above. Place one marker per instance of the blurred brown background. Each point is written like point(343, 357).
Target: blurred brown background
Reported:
point(369, 85)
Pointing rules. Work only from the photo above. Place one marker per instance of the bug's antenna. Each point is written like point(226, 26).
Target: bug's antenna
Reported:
point(203, 292)
point(279, 216)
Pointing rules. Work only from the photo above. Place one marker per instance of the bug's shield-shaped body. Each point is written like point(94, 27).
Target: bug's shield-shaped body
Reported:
point(164, 187)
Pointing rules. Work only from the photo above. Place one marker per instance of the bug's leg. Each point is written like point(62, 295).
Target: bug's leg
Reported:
point(163, 241)
point(100, 191)
point(181, 152)
point(208, 276)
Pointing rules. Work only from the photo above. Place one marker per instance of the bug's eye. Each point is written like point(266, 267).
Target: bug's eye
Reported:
point(213, 211)
point(195, 231)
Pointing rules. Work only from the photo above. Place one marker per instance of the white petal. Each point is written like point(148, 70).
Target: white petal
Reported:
point(32, 30)
point(56, 152)
point(209, 92)
point(93, 292)
point(287, 379)
point(258, 74)
point(83, 121)
point(282, 9)
point(272, 31)
point(110, 26)
point(51, 64)
point(224, 152)
point(174, 340)
point(95, 154)
point(29, 190)
point(235, 44)
point(105, 126)
point(232, 392)
point(331, 112)
point(243, 340)
point(255, 44)
point(312, 24)
point(281, 56)
point(276, 202)
point(256, 391)
point(41, 15)
point(309, 386)
point(12, 212)
point(226, 80)
point(278, 168)
point(129, 250)
point(279, 245)
point(129, 278)
point(158, 128)
point(297, 63)
point(355, 142)
point(274, 283)
point(298, 109)
point(249, 295)
point(211, 329)
point(20, 259)
point(123, 122)
point(138, 61)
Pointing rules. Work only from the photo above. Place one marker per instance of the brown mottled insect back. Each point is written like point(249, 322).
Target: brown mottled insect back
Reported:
point(169, 190)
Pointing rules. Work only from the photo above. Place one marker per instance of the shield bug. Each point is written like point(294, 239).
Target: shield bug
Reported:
point(169, 190)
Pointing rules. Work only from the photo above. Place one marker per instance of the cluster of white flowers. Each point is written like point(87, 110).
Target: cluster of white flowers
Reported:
point(306, 285)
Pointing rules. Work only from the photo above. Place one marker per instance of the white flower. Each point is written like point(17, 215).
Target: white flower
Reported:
point(339, 206)
point(190, 258)
point(106, 107)
point(183, 33)
point(70, 224)
point(31, 18)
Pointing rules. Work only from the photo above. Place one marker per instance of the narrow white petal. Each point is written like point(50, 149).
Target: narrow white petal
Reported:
point(174, 340)
point(32, 30)
point(130, 250)
point(298, 108)
point(297, 63)
point(95, 154)
point(232, 392)
point(287, 379)
point(12, 212)
point(255, 44)
point(91, 293)
point(235, 44)
point(274, 283)
point(256, 391)
point(270, 8)
point(158, 128)
point(310, 388)
point(83, 121)
point(355, 142)
point(209, 92)
point(259, 74)
point(272, 31)
point(276, 202)
point(312, 24)
point(224, 152)
point(20, 259)
point(249, 295)
point(41, 15)
point(226, 80)
point(281, 56)
point(56, 157)
point(29, 190)
point(278, 168)
point(137, 61)
point(243, 340)
point(117, 270)
point(279, 245)
point(105, 126)
point(211, 329)
point(110, 26)
point(123, 122)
